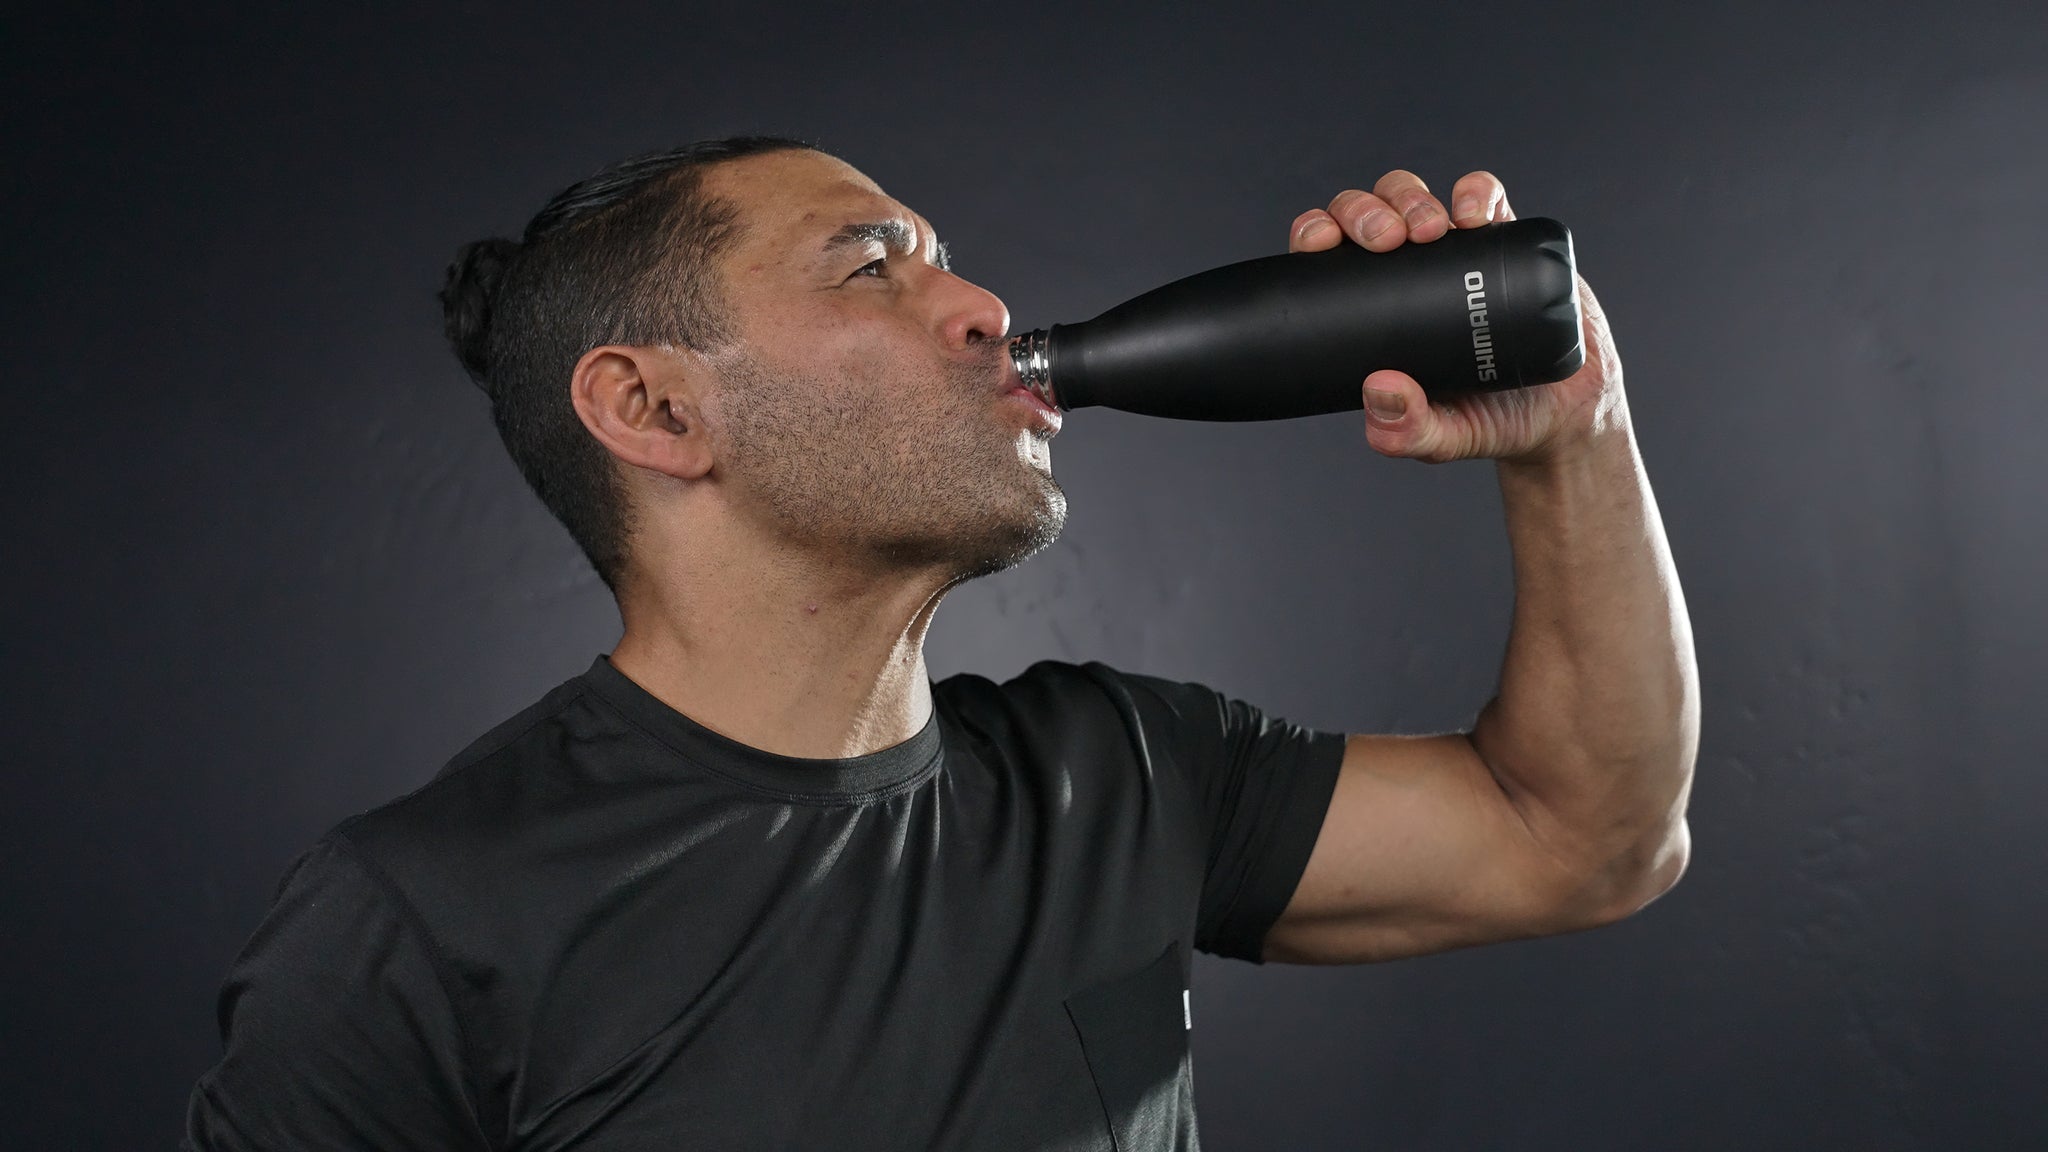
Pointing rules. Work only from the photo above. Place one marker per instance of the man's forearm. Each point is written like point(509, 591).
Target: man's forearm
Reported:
point(1596, 724)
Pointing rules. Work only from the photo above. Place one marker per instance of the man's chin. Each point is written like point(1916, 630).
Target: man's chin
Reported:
point(1039, 533)
point(991, 547)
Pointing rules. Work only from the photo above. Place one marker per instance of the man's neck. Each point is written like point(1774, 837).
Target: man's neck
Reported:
point(782, 656)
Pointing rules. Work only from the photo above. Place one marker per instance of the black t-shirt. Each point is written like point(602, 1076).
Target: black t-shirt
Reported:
point(605, 927)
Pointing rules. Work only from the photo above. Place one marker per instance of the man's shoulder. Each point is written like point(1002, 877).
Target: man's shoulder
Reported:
point(490, 790)
point(1075, 699)
point(1050, 676)
point(1064, 683)
point(1045, 684)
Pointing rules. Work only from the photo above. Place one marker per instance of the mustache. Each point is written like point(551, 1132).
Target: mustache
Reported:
point(984, 366)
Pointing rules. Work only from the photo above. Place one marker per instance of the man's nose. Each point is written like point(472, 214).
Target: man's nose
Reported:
point(970, 313)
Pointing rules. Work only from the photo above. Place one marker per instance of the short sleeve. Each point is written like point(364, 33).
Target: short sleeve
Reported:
point(1263, 785)
point(336, 1029)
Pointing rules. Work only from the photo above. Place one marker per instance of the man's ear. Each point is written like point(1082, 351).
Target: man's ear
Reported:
point(641, 402)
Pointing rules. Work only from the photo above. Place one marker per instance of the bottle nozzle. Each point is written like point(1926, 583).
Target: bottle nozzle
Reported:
point(1031, 354)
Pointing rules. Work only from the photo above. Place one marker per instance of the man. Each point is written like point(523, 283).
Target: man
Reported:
point(754, 881)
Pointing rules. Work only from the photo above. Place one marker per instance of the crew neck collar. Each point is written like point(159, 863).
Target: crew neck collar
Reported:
point(793, 777)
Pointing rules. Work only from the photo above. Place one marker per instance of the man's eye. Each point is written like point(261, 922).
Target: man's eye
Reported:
point(874, 264)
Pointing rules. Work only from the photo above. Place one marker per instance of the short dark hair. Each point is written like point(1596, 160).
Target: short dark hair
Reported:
point(625, 256)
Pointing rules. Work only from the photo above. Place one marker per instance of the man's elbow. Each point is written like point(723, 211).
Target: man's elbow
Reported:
point(1624, 854)
point(1631, 881)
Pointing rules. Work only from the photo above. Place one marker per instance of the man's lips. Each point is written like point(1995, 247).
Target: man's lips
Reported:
point(1014, 389)
point(1010, 387)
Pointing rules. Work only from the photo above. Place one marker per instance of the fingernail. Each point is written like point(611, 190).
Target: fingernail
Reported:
point(1388, 406)
point(1314, 229)
point(1468, 207)
point(1420, 212)
point(1376, 221)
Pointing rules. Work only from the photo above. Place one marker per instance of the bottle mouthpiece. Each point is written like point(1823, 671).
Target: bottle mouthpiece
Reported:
point(1031, 354)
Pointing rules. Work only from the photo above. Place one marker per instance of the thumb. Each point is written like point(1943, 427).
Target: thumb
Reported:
point(1399, 420)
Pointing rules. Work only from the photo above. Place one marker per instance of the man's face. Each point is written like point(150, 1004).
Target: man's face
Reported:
point(860, 410)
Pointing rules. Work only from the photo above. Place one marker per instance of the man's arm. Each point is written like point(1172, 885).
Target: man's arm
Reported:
point(1564, 806)
point(337, 1031)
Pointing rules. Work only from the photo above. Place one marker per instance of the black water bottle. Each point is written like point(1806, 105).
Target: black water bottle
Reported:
point(1477, 309)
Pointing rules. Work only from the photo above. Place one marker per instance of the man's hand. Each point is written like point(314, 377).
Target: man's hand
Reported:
point(1528, 424)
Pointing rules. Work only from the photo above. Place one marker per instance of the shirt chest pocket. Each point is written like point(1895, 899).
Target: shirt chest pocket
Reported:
point(1134, 1032)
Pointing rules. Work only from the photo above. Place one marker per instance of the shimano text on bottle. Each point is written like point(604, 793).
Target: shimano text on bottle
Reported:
point(1482, 332)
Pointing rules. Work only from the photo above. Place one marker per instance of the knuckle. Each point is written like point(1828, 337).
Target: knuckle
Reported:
point(1376, 224)
point(1347, 200)
point(1400, 182)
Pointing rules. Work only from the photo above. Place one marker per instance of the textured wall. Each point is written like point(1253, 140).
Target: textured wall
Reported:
point(266, 564)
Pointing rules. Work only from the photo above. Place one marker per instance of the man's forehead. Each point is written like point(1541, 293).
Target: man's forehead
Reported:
point(803, 201)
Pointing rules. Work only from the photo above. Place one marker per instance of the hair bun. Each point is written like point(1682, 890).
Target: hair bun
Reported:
point(466, 299)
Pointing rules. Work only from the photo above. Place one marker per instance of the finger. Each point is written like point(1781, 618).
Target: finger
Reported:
point(1473, 199)
point(1423, 213)
point(1399, 420)
point(1313, 231)
point(1368, 220)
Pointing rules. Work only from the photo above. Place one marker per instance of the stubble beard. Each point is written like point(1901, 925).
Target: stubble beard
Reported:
point(888, 474)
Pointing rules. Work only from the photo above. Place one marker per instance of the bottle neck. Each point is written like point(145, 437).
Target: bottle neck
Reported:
point(1031, 354)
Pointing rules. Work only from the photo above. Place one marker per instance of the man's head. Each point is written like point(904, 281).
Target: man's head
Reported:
point(754, 322)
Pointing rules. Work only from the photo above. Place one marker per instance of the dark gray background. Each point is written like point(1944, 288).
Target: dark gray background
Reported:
point(267, 565)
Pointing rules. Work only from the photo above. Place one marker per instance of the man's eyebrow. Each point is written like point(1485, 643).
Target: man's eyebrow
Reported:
point(892, 234)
